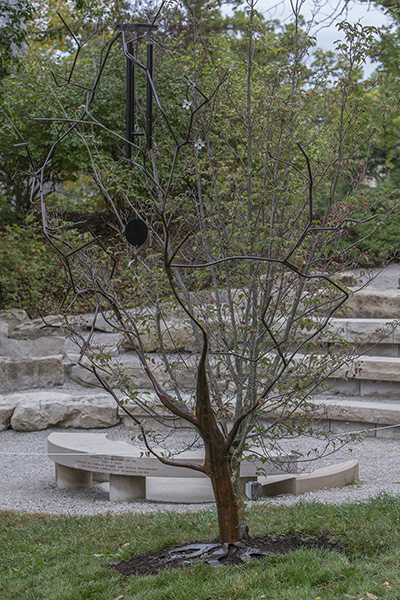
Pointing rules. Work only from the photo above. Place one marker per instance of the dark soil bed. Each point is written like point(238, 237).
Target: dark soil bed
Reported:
point(259, 547)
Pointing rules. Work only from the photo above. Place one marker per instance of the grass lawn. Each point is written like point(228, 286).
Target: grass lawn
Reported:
point(52, 558)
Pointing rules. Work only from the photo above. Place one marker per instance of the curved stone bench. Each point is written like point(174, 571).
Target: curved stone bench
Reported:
point(327, 477)
point(78, 456)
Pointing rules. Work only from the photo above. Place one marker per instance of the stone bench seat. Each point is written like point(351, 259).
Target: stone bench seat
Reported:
point(78, 456)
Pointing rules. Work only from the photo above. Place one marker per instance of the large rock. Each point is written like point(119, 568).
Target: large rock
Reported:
point(43, 346)
point(33, 329)
point(55, 409)
point(27, 373)
point(13, 317)
point(106, 323)
point(7, 407)
point(4, 329)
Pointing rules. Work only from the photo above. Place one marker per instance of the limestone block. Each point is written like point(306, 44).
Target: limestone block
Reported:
point(131, 369)
point(327, 477)
point(351, 427)
point(57, 409)
point(392, 433)
point(383, 389)
point(373, 303)
point(380, 368)
point(7, 408)
point(43, 346)
point(380, 349)
point(27, 373)
point(53, 325)
point(83, 377)
point(176, 334)
point(385, 413)
point(348, 387)
point(13, 317)
point(370, 330)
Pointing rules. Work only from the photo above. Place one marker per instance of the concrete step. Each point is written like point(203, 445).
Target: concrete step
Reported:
point(378, 418)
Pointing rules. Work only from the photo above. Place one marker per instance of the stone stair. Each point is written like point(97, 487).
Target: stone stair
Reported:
point(41, 384)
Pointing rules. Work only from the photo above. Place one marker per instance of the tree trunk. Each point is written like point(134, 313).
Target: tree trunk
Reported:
point(227, 504)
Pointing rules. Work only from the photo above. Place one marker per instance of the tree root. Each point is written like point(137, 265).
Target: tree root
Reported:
point(213, 553)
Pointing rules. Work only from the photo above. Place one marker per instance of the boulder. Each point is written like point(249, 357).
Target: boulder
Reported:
point(56, 409)
point(27, 373)
point(7, 408)
point(43, 346)
point(33, 329)
point(4, 329)
point(106, 323)
point(13, 317)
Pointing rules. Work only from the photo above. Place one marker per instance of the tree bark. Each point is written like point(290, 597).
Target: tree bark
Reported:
point(227, 504)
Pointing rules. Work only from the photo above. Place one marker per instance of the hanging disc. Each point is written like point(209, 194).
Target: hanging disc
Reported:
point(136, 232)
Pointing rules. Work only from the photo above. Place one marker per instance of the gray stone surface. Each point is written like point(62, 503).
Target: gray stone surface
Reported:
point(381, 413)
point(106, 323)
point(378, 368)
point(7, 407)
point(13, 317)
point(46, 409)
point(42, 346)
point(372, 303)
point(327, 477)
point(130, 366)
point(4, 329)
point(176, 334)
point(27, 373)
point(33, 329)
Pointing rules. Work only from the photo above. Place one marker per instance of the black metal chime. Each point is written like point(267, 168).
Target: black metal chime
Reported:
point(136, 230)
point(131, 132)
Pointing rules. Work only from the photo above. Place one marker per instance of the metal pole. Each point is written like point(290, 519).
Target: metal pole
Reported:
point(130, 101)
point(149, 98)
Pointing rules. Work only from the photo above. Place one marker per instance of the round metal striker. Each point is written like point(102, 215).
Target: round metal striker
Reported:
point(136, 232)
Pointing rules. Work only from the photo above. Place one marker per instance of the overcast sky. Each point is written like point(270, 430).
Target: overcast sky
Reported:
point(325, 13)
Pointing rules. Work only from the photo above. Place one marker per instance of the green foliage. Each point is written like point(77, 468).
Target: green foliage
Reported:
point(377, 240)
point(30, 274)
point(13, 33)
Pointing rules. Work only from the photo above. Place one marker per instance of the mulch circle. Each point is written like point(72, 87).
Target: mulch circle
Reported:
point(153, 562)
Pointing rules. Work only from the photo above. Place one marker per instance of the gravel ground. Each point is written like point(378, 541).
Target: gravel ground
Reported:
point(28, 482)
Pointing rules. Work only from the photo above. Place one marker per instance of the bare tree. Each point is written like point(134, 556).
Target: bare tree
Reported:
point(249, 198)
